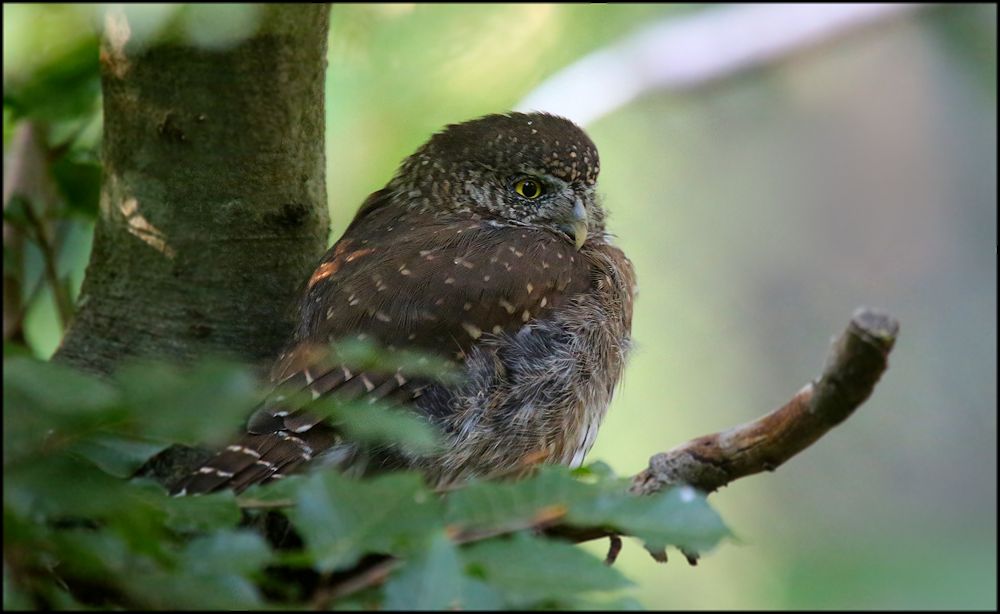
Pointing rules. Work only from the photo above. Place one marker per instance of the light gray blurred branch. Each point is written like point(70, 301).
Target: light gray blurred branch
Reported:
point(680, 53)
point(26, 174)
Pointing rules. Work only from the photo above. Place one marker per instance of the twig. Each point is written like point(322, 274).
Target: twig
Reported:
point(681, 53)
point(60, 293)
point(259, 504)
point(370, 576)
point(25, 175)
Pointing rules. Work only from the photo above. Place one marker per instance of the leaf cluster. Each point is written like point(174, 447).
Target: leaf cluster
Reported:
point(80, 531)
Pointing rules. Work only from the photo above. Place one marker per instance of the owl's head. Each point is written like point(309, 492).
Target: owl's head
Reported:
point(521, 169)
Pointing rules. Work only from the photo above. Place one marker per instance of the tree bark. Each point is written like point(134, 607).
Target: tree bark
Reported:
point(213, 206)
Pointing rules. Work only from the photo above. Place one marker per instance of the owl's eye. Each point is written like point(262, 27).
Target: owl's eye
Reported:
point(529, 188)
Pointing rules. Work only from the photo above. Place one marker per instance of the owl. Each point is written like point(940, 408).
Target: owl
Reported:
point(487, 251)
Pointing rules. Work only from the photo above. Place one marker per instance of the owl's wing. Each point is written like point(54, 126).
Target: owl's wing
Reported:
point(433, 286)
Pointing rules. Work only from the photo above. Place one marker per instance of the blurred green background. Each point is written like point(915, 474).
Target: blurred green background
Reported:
point(759, 212)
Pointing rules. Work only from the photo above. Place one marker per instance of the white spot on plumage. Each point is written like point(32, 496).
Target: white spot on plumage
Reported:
point(243, 450)
point(472, 329)
point(369, 386)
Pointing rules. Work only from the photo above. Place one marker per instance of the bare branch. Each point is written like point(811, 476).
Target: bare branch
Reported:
point(50, 255)
point(682, 53)
point(25, 174)
point(857, 360)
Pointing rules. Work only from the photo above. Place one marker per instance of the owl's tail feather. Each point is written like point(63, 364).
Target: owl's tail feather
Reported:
point(283, 436)
point(257, 458)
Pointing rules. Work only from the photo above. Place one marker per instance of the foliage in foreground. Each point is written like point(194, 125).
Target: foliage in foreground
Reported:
point(78, 530)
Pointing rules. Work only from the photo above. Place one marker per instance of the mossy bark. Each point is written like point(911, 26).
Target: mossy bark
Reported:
point(213, 207)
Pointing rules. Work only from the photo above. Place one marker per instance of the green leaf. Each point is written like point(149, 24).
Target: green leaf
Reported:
point(491, 505)
point(342, 519)
point(603, 603)
point(678, 516)
point(239, 552)
point(478, 595)
point(528, 570)
point(597, 469)
point(36, 385)
point(202, 512)
point(79, 179)
point(17, 213)
point(175, 404)
point(209, 572)
point(66, 87)
point(13, 598)
point(92, 554)
point(59, 484)
point(429, 581)
point(48, 406)
point(375, 423)
point(120, 456)
point(186, 590)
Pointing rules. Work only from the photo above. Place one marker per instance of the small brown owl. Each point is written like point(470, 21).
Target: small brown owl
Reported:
point(487, 249)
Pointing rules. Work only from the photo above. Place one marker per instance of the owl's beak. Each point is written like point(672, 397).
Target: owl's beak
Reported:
point(576, 225)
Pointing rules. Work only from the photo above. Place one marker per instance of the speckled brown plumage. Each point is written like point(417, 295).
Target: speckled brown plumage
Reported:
point(459, 258)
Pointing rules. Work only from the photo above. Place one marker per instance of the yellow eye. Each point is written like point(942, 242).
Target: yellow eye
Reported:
point(529, 188)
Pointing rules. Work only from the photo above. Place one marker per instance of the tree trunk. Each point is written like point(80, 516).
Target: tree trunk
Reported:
point(213, 206)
